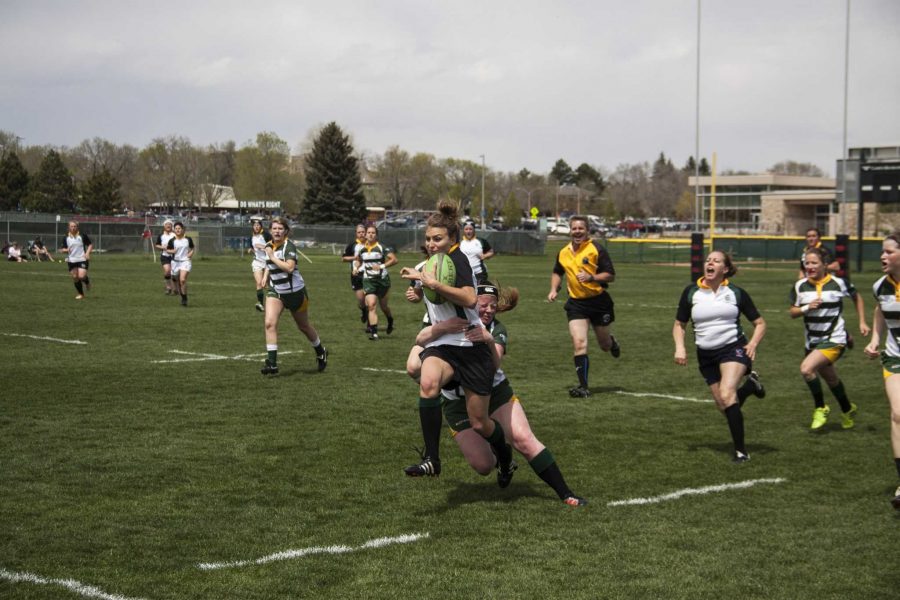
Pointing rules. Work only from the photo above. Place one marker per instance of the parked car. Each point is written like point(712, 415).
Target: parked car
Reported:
point(557, 227)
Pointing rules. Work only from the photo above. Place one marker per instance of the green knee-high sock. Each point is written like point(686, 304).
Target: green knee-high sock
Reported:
point(497, 440)
point(841, 395)
point(546, 468)
point(815, 387)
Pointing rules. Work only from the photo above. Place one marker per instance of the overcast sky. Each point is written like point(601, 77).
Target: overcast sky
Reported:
point(522, 82)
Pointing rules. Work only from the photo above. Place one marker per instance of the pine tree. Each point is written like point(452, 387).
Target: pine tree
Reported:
point(52, 189)
point(13, 182)
point(333, 185)
point(704, 167)
point(101, 193)
point(562, 173)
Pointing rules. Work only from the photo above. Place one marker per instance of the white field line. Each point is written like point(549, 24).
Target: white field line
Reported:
point(202, 356)
point(665, 396)
point(724, 487)
point(383, 370)
point(85, 590)
point(66, 275)
point(48, 339)
point(299, 553)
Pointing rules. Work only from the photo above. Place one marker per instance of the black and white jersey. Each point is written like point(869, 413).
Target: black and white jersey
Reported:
point(475, 249)
point(447, 310)
point(887, 294)
point(716, 315)
point(163, 240)
point(258, 243)
point(180, 248)
point(353, 249)
point(77, 245)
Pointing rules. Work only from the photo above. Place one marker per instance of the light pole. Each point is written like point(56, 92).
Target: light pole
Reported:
point(528, 193)
point(482, 192)
point(557, 202)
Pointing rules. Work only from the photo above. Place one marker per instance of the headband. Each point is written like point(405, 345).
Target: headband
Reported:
point(488, 290)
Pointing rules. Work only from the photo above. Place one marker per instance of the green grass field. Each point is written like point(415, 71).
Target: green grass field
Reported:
point(124, 469)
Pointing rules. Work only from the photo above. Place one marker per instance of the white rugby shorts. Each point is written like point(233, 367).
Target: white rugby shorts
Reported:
point(181, 265)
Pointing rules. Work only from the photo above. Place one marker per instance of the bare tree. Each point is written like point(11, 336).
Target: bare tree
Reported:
point(392, 174)
point(93, 157)
point(169, 173)
point(792, 167)
point(629, 186)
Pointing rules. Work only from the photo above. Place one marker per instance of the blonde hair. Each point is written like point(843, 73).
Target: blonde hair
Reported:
point(281, 221)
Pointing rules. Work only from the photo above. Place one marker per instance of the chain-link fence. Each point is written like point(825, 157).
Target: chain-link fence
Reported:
point(745, 249)
point(124, 234)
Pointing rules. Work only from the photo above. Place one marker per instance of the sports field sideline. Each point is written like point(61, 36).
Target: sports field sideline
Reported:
point(144, 456)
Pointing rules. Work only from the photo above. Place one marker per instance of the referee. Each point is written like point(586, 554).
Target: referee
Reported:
point(588, 271)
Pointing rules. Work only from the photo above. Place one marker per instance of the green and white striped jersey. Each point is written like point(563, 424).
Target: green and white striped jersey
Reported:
point(823, 324)
point(280, 281)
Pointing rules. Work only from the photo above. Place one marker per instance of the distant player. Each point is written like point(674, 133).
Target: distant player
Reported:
point(814, 240)
point(258, 241)
point(286, 290)
point(356, 279)
point(372, 262)
point(78, 247)
point(181, 247)
point(477, 249)
point(165, 259)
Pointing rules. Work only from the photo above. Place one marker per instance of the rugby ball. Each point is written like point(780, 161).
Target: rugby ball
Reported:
point(444, 271)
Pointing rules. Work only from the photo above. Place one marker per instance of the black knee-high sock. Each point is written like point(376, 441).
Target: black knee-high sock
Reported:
point(79, 287)
point(87, 280)
point(815, 387)
point(897, 464)
point(736, 426)
point(582, 364)
point(431, 419)
point(545, 466)
point(260, 295)
point(841, 395)
point(745, 391)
